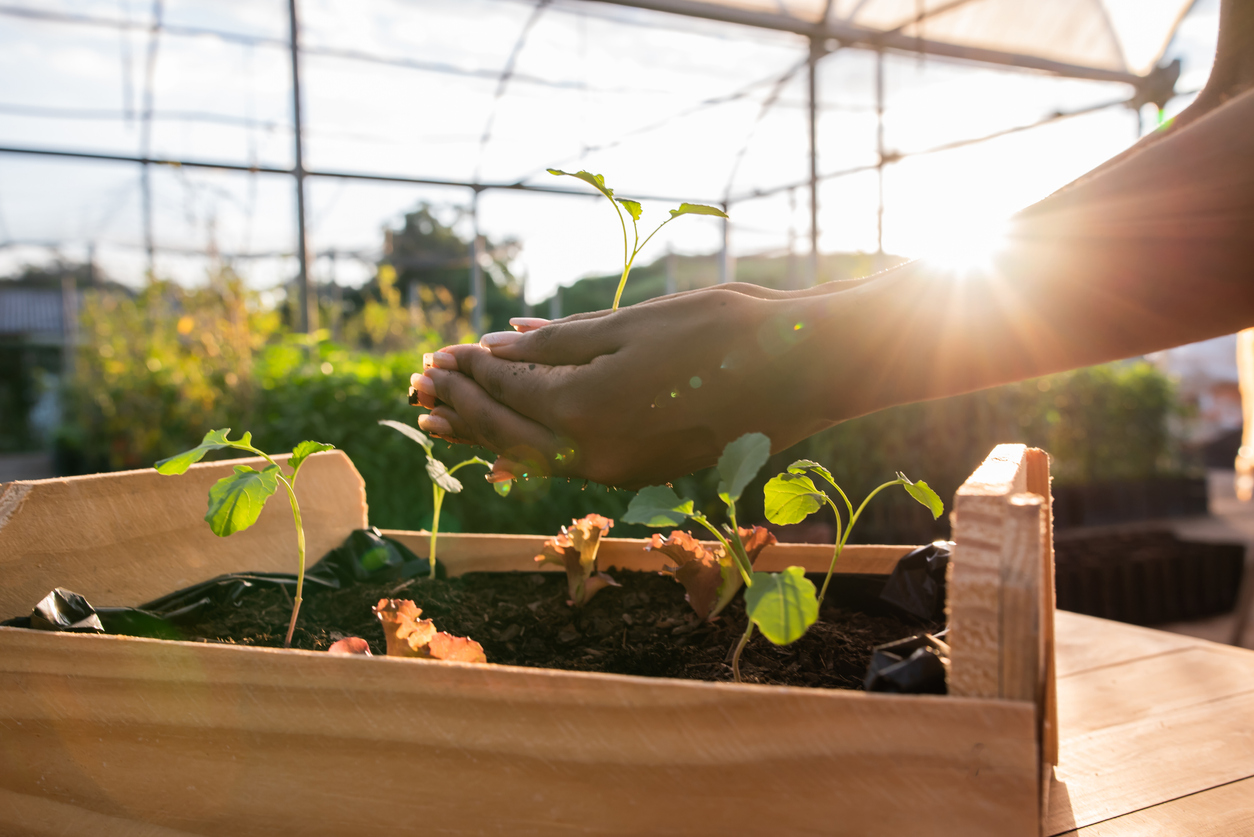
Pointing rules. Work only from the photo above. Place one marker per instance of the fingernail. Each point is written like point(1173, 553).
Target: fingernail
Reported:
point(499, 476)
point(527, 323)
point(428, 360)
point(497, 339)
point(435, 425)
point(413, 379)
point(443, 360)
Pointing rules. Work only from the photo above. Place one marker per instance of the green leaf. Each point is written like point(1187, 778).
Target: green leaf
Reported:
point(237, 500)
point(803, 465)
point(440, 476)
point(412, 432)
point(791, 498)
point(633, 207)
point(502, 488)
point(594, 180)
point(657, 505)
point(697, 209)
point(923, 492)
point(740, 463)
point(302, 451)
point(782, 605)
point(214, 440)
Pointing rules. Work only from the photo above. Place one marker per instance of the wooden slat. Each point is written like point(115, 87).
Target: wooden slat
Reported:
point(1039, 482)
point(1196, 737)
point(1087, 642)
point(238, 741)
point(974, 588)
point(1225, 811)
point(125, 538)
point(1021, 661)
point(463, 553)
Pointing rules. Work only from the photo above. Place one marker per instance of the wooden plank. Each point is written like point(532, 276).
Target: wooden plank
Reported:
point(1039, 482)
point(37, 816)
point(1087, 642)
point(1020, 666)
point(974, 583)
point(125, 538)
point(238, 741)
point(463, 553)
point(1224, 811)
point(1161, 756)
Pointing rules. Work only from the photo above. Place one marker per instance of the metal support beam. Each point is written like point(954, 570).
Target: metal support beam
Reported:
point(879, 149)
point(812, 96)
point(865, 37)
point(478, 288)
point(308, 300)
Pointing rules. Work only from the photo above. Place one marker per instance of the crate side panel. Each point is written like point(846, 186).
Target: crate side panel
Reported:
point(126, 538)
point(224, 740)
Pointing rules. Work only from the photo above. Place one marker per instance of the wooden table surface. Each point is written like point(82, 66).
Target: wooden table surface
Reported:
point(1156, 733)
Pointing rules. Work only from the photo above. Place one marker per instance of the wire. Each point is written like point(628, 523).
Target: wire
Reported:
point(506, 73)
point(109, 114)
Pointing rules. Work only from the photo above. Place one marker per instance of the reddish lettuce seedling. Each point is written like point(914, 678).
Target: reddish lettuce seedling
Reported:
point(409, 636)
point(236, 501)
point(709, 576)
point(575, 550)
point(633, 248)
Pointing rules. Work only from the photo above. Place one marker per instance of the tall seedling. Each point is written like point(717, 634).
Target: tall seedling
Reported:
point(442, 480)
point(235, 502)
point(632, 249)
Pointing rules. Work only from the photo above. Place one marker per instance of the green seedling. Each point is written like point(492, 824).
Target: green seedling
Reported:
point(792, 496)
point(632, 248)
point(235, 502)
point(782, 605)
point(442, 480)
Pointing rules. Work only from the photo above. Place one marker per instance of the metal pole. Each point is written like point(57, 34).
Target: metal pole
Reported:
point(879, 148)
point(816, 47)
point(726, 264)
point(477, 289)
point(145, 134)
point(308, 302)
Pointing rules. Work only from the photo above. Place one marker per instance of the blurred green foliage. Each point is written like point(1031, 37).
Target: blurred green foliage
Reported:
point(159, 368)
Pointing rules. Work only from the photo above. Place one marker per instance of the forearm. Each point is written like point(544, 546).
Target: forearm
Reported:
point(1152, 253)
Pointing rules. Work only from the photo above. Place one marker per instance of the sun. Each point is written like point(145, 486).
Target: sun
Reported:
point(965, 246)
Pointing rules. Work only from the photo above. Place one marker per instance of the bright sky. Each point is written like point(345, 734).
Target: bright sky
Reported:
point(623, 92)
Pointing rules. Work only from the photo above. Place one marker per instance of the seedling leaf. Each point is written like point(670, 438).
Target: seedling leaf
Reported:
point(412, 432)
point(803, 465)
point(594, 180)
point(409, 636)
point(697, 209)
point(632, 206)
point(791, 498)
point(350, 645)
point(782, 605)
point(575, 550)
point(657, 505)
point(740, 463)
point(923, 492)
point(214, 440)
point(459, 649)
point(236, 501)
point(302, 452)
point(440, 476)
point(697, 568)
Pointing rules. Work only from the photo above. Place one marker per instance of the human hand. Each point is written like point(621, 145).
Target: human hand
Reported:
point(636, 396)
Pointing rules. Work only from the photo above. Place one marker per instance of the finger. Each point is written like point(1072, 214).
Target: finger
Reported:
point(472, 414)
point(504, 470)
point(421, 391)
point(526, 388)
point(437, 423)
point(525, 324)
point(441, 360)
point(567, 343)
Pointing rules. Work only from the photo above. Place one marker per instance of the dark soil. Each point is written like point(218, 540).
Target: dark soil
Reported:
point(644, 627)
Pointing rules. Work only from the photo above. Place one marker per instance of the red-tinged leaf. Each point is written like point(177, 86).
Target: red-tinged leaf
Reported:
point(350, 645)
point(456, 648)
point(696, 567)
point(596, 583)
point(575, 550)
point(755, 540)
point(406, 634)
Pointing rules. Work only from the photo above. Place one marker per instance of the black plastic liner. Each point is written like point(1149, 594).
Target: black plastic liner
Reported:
point(917, 585)
point(366, 555)
point(915, 665)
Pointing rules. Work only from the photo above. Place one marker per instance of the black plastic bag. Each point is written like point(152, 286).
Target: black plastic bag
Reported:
point(915, 665)
point(917, 585)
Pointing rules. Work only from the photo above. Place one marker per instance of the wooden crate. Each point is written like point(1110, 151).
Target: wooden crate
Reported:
point(118, 735)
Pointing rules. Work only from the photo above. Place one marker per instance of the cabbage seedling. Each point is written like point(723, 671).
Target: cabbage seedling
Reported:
point(792, 496)
point(235, 502)
point(632, 249)
point(442, 479)
point(782, 605)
